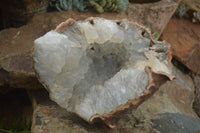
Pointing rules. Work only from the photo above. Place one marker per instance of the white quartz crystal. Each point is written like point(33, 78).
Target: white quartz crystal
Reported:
point(92, 68)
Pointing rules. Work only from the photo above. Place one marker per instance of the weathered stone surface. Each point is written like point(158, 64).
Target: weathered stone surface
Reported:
point(184, 37)
point(173, 100)
point(15, 57)
point(97, 67)
point(155, 15)
point(16, 43)
point(196, 104)
point(176, 123)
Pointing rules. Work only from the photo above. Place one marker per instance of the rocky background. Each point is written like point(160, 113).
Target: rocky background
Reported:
point(174, 108)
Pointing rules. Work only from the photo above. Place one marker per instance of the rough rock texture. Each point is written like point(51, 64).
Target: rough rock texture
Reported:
point(184, 37)
point(170, 106)
point(15, 59)
point(16, 43)
point(97, 67)
point(155, 15)
point(176, 122)
point(196, 104)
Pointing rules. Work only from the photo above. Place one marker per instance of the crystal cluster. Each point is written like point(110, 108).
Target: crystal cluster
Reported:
point(98, 67)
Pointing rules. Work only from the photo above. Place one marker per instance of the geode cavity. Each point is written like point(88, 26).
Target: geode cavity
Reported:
point(97, 68)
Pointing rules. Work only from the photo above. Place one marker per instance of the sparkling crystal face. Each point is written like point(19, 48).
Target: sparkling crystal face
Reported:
point(95, 66)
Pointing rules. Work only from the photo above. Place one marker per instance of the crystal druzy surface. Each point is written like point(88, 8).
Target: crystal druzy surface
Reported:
point(95, 67)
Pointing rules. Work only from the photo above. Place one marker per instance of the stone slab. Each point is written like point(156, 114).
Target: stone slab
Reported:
point(184, 37)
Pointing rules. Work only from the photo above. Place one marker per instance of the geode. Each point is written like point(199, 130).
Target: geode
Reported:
point(99, 68)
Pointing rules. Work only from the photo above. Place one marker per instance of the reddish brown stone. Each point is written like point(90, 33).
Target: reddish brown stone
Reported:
point(153, 14)
point(184, 37)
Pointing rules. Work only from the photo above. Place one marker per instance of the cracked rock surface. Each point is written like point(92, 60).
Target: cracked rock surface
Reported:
point(97, 67)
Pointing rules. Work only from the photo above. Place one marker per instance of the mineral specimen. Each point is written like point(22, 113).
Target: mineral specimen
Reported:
point(98, 68)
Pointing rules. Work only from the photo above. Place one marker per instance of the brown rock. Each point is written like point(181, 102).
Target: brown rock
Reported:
point(184, 37)
point(171, 103)
point(155, 15)
point(16, 44)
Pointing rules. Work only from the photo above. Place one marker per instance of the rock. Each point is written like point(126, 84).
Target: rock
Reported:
point(178, 123)
point(184, 37)
point(15, 59)
point(171, 103)
point(155, 15)
point(16, 43)
point(97, 68)
point(196, 104)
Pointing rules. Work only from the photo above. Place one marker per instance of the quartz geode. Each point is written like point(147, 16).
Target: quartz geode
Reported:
point(98, 68)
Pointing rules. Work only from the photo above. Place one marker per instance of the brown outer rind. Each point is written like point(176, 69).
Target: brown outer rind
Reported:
point(155, 79)
point(61, 27)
